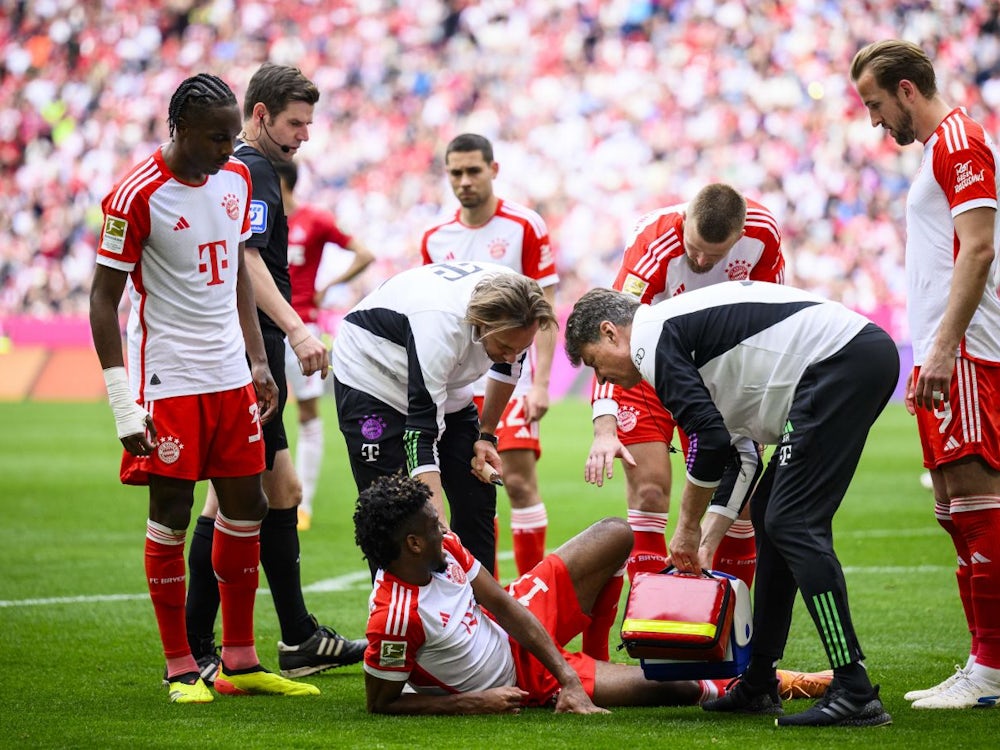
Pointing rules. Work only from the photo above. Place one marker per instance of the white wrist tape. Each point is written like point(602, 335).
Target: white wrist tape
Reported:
point(130, 418)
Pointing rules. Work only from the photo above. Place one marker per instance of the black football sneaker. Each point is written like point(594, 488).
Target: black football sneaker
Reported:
point(324, 649)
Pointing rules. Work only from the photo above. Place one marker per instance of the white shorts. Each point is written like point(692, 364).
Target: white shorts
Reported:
point(303, 387)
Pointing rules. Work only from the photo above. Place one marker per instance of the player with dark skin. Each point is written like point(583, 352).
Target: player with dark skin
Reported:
point(203, 142)
point(199, 367)
point(400, 531)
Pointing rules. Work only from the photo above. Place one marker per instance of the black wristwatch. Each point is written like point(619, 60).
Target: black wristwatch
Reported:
point(489, 437)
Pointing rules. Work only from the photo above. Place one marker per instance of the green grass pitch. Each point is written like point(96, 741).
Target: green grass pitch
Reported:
point(80, 661)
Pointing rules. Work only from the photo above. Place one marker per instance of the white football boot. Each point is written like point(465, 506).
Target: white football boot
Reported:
point(967, 692)
point(916, 695)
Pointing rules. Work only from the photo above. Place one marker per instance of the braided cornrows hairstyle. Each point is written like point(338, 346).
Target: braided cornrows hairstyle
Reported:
point(384, 514)
point(203, 90)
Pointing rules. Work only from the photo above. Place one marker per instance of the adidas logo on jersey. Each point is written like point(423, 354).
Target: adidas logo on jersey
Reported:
point(182, 223)
point(979, 557)
point(951, 445)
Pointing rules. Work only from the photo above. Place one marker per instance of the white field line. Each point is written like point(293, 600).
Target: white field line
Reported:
point(361, 580)
point(358, 581)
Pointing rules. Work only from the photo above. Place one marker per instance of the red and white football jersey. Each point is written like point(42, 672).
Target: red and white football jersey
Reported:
point(309, 231)
point(515, 236)
point(655, 266)
point(958, 173)
point(436, 636)
point(179, 243)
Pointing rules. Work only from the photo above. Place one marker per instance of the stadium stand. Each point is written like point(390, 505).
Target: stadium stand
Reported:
point(598, 112)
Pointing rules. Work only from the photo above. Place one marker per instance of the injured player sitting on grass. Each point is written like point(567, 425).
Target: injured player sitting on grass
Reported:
point(445, 638)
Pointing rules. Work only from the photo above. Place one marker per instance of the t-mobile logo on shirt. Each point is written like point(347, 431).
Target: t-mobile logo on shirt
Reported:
point(214, 260)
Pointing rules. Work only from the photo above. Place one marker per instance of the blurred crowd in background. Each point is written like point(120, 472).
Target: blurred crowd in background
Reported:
point(599, 110)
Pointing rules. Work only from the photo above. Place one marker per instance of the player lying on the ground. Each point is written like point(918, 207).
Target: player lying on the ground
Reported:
point(445, 638)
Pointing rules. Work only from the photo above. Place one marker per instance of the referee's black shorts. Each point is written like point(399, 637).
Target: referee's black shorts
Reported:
point(275, 438)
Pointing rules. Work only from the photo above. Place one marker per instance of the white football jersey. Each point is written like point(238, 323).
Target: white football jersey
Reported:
point(408, 343)
point(959, 172)
point(515, 236)
point(437, 637)
point(179, 243)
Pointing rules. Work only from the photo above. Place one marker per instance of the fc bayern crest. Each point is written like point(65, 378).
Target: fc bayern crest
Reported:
point(739, 270)
point(169, 450)
point(372, 427)
point(628, 417)
point(498, 248)
point(232, 205)
point(455, 573)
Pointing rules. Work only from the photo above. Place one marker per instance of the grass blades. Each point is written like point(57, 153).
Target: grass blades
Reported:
point(80, 660)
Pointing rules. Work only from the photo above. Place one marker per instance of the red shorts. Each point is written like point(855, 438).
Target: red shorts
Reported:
point(547, 591)
point(201, 437)
point(967, 425)
point(642, 417)
point(513, 432)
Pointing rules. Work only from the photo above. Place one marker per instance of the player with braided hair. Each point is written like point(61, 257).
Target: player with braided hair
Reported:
point(277, 112)
point(198, 387)
point(203, 89)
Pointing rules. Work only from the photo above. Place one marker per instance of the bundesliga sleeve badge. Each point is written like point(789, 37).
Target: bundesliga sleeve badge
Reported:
point(634, 285)
point(392, 654)
point(113, 236)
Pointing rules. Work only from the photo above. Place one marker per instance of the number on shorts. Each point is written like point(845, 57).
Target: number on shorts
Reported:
point(256, 431)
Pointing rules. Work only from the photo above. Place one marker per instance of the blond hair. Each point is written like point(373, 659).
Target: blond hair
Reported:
point(507, 301)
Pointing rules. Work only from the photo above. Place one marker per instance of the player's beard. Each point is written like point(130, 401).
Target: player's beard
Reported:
point(904, 134)
point(470, 200)
point(695, 268)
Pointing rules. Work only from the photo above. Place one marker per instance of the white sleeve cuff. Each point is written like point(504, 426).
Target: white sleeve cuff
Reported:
point(723, 510)
point(604, 407)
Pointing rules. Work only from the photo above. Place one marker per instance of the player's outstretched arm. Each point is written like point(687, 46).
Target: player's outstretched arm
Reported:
point(525, 628)
point(387, 697)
